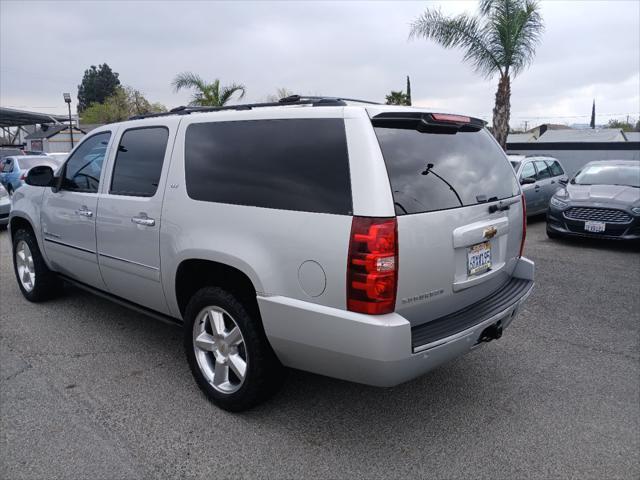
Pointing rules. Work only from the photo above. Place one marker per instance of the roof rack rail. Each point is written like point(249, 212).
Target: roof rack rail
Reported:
point(290, 100)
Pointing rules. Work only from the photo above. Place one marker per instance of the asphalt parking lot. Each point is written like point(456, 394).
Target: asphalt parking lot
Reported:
point(92, 390)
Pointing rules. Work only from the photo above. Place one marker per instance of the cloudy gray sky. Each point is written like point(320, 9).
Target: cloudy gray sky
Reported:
point(591, 49)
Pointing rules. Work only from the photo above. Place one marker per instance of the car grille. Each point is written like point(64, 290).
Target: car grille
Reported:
point(608, 215)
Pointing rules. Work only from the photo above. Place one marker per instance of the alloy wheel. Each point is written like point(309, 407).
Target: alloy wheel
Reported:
point(220, 349)
point(24, 266)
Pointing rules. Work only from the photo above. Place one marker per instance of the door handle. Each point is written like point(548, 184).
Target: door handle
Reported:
point(553, 181)
point(537, 188)
point(146, 221)
point(85, 212)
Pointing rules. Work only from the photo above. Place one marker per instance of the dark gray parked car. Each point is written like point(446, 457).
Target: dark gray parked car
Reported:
point(602, 201)
point(540, 178)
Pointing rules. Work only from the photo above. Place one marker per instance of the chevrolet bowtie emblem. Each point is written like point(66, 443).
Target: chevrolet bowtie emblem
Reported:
point(489, 232)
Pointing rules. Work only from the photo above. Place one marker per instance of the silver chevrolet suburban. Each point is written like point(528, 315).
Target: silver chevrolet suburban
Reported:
point(360, 241)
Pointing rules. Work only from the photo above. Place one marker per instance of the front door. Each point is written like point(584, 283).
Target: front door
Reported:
point(68, 217)
point(129, 210)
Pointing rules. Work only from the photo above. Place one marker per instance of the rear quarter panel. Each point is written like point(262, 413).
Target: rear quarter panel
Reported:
point(268, 245)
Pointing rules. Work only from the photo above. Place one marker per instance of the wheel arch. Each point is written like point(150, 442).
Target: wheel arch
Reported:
point(192, 274)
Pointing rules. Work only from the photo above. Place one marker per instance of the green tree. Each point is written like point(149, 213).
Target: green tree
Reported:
point(625, 126)
point(279, 95)
point(501, 40)
point(397, 98)
point(408, 91)
point(206, 94)
point(97, 84)
point(123, 104)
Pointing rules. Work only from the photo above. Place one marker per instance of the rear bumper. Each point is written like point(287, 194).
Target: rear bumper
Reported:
point(374, 350)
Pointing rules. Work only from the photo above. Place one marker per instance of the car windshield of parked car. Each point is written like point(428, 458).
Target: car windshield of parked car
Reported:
point(599, 174)
point(26, 163)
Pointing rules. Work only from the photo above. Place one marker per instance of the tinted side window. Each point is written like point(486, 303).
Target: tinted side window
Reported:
point(293, 164)
point(139, 161)
point(556, 169)
point(543, 170)
point(82, 170)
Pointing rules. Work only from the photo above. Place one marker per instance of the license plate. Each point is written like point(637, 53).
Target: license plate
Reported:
point(479, 258)
point(594, 226)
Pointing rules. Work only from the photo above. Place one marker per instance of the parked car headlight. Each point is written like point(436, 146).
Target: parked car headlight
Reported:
point(558, 203)
point(636, 210)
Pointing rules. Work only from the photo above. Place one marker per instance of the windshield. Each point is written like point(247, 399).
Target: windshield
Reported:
point(26, 163)
point(439, 171)
point(601, 174)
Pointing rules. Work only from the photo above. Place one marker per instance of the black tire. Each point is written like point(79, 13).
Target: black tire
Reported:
point(47, 284)
point(264, 373)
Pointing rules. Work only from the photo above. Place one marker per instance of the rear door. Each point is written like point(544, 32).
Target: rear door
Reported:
point(548, 185)
point(68, 215)
point(532, 191)
point(557, 173)
point(129, 208)
point(459, 212)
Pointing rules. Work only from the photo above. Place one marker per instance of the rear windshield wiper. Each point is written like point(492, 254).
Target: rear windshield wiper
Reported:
point(429, 170)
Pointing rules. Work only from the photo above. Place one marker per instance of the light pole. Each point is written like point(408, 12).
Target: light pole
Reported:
point(67, 100)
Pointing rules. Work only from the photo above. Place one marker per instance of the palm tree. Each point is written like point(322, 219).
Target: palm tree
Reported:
point(206, 94)
point(279, 95)
point(397, 98)
point(501, 39)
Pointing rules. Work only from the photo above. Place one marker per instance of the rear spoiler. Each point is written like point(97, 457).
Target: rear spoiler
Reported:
point(428, 122)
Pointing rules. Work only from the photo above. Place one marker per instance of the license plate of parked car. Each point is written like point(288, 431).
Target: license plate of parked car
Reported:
point(594, 226)
point(479, 258)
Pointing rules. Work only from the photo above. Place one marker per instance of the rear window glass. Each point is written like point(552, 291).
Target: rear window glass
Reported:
point(436, 171)
point(543, 170)
point(556, 169)
point(293, 164)
point(7, 165)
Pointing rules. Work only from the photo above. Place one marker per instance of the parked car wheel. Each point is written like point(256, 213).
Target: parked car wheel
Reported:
point(228, 352)
point(37, 283)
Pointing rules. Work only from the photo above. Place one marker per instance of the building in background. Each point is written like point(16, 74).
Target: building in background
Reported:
point(53, 138)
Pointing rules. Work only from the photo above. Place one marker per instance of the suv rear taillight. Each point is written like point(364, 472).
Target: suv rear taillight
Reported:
point(372, 270)
point(524, 224)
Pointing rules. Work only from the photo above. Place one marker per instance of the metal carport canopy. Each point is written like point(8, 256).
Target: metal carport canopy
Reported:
point(10, 117)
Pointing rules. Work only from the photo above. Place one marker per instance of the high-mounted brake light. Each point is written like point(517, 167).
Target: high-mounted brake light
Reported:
point(372, 270)
point(524, 224)
point(445, 117)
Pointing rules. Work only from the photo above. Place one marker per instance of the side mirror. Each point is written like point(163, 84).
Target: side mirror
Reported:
point(563, 180)
point(40, 176)
point(527, 180)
